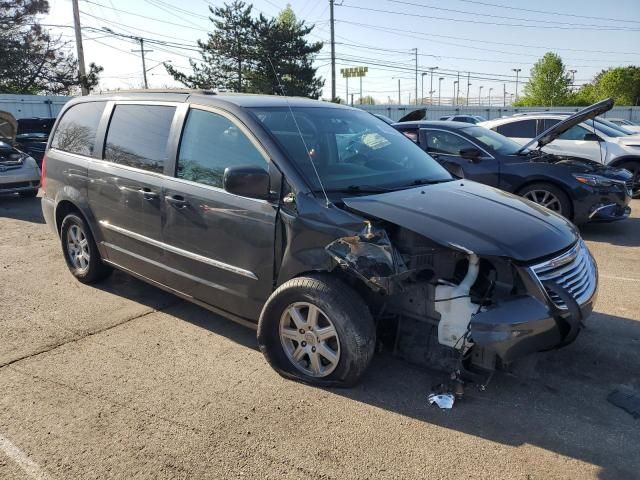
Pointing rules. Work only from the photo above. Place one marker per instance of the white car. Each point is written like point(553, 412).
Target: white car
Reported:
point(586, 137)
point(626, 124)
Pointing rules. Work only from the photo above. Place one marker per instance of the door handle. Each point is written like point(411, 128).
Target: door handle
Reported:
point(177, 201)
point(148, 194)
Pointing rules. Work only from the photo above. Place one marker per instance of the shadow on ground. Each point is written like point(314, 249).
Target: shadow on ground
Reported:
point(625, 233)
point(18, 208)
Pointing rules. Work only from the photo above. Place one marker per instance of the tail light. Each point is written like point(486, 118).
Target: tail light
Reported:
point(43, 170)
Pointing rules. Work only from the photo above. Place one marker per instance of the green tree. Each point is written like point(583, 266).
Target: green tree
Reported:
point(284, 57)
point(227, 53)
point(548, 84)
point(32, 61)
point(620, 83)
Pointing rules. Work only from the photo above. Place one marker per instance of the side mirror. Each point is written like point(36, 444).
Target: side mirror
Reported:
point(252, 182)
point(591, 137)
point(472, 154)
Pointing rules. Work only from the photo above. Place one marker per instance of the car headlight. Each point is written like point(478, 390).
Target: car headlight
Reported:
point(593, 180)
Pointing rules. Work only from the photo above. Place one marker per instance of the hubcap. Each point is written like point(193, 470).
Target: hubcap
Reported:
point(78, 248)
point(545, 198)
point(309, 339)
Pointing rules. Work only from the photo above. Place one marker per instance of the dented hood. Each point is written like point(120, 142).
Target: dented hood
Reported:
point(466, 214)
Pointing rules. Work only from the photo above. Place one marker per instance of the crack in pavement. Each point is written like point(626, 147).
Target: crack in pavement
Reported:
point(79, 337)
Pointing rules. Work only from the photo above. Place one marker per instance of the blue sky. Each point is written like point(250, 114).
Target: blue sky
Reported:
point(456, 35)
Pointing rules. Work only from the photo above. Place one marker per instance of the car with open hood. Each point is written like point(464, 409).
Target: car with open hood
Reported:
point(581, 190)
point(19, 172)
point(582, 134)
point(33, 135)
point(319, 225)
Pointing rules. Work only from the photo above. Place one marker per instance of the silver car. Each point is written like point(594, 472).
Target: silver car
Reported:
point(19, 173)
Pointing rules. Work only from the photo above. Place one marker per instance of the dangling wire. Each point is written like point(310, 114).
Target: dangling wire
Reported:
point(306, 148)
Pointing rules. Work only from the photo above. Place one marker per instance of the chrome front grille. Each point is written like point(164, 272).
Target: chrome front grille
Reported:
point(575, 271)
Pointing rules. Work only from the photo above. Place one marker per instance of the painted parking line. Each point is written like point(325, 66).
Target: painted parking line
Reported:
point(31, 468)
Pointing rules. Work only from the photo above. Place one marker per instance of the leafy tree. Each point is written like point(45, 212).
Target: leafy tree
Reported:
point(282, 49)
point(227, 53)
point(620, 83)
point(548, 84)
point(32, 61)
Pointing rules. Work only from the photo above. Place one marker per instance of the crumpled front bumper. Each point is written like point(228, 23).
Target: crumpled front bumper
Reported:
point(525, 324)
point(609, 212)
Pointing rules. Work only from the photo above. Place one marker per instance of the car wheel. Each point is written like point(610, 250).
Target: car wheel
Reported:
point(549, 196)
point(80, 250)
point(28, 193)
point(317, 330)
point(634, 168)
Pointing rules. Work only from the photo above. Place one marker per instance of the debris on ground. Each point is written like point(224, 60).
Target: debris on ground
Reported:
point(443, 400)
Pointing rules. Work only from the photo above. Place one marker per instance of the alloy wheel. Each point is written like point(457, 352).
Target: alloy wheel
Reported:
point(78, 248)
point(309, 339)
point(546, 199)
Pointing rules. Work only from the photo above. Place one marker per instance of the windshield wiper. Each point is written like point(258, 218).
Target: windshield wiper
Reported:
point(428, 181)
point(360, 189)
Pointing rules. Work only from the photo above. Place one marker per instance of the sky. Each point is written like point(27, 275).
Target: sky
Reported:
point(483, 40)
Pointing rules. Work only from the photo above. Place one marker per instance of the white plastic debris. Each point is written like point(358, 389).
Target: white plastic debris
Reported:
point(443, 400)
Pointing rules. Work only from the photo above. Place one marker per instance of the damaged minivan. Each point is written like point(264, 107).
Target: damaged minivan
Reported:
point(326, 229)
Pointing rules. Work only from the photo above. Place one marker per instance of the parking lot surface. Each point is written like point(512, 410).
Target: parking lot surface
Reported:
point(122, 380)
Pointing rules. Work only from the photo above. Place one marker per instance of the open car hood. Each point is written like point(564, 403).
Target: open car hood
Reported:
point(8, 127)
point(587, 113)
point(415, 115)
point(470, 216)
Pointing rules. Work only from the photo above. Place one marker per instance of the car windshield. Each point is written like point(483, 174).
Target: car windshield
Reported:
point(493, 140)
point(608, 128)
point(350, 149)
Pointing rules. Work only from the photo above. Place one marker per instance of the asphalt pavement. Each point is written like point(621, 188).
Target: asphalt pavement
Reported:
point(122, 380)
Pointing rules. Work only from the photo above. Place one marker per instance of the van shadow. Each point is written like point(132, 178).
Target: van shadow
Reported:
point(625, 233)
point(18, 208)
point(557, 401)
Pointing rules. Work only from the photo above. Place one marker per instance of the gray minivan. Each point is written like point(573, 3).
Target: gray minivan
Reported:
point(323, 227)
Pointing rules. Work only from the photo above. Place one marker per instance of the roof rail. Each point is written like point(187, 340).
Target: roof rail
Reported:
point(161, 90)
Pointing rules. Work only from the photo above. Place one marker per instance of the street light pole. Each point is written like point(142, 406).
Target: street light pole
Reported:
point(468, 85)
point(480, 96)
point(333, 53)
point(431, 86)
point(517, 70)
point(416, 50)
point(455, 90)
point(399, 100)
point(573, 77)
point(439, 89)
point(490, 90)
point(422, 89)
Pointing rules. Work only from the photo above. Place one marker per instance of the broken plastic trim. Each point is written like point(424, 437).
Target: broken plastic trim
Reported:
point(371, 257)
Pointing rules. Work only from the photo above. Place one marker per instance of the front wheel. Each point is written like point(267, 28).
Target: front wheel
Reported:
point(634, 168)
point(549, 196)
point(317, 330)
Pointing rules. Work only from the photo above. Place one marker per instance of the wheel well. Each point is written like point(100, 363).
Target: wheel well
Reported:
point(619, 161)
point(63, 209)
point(550, 182)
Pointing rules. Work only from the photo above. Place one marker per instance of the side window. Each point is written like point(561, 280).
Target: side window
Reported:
point(520, 129)
point(439, 141)
point(411, 134)
point(211, 143)
point(138, 136)
point(76, 132)
point(574, 133)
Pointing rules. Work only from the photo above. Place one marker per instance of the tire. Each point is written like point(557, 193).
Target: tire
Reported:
point(634, 167)
point(549, 196)
point(351, 348)
point(86, 270)
point(28, 193)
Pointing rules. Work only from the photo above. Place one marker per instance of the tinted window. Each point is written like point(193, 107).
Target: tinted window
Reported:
point(521, 129)
point(439, 141)
point(138, 136)
point(210, 143)
point(76, 132)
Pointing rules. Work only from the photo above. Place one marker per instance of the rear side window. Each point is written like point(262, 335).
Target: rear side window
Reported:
point(520, 129)
point(439, 141)
point(76, 132)
point(138, 136)
point(211, 143)
point(574, 133)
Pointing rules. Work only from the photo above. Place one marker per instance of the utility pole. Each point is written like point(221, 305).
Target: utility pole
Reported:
point(440, 89)
point(458, 88)
point(422, 89)
point(504, 95)
point(490, 90)
point(352, 99)
point(416, 76)
point(144, 68)
point(454, 101)
point(480, 96)
point(431, 87)
point(468, 85)
point(517, 70)
point(360, 90)
point(399, 101)
point(333, 52)
point(81, 68)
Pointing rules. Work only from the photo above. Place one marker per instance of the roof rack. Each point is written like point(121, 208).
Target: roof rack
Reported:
point(161, 90)
point(544, 112)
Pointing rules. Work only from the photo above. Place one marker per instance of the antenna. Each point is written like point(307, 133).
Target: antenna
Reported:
point(306, 148)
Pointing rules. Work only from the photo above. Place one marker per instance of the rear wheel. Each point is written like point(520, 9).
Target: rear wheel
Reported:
point(80, 250)
point(549, 196)
point(316, 329)
point(634, 168)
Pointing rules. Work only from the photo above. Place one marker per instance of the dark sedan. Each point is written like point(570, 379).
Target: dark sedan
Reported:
point(579, 189)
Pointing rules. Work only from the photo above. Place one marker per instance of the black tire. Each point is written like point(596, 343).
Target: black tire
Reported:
point(28, 193)
point(348, 314)
point(95, 270)
point(564, 204)
point(634, 167)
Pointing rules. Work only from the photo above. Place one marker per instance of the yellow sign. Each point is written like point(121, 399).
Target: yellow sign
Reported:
point(354, 72)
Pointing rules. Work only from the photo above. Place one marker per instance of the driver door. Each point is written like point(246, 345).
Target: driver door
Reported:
point(445, 147)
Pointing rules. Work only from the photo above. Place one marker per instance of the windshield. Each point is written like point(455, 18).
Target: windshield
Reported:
point(350, 149)
point(493, 140)
point(608, 128)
